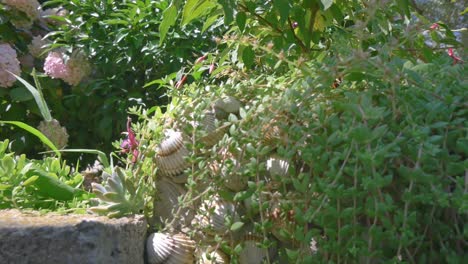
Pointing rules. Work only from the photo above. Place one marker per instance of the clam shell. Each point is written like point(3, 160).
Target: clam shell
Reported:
point(213, 134)
point(212, 256)
point(277, 166)
point(228, 104)
point(251, 253)
point(171, 154)
point(167, 249)
point(233, 180)
point(166, 203)
point(213, 215)
point(172, 142)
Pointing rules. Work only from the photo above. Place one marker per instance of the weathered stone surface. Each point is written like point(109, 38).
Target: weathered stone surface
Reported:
point(28, 237)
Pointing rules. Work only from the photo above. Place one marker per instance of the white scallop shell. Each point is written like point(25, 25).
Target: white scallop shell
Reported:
point(213, 134)
point(167, 249)
point(228, 104)
point(251, 253)
point(214, 212)
point(212, 256)
point(172, 154)
point(233, 180)
point(277, 166)
point(173, 141)
point(166, 204)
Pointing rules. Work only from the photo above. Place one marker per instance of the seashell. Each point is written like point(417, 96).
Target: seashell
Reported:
point(213, 134)
point(251, 253)
point(166, 204)
point(214, 213)
point(227, 104)
point(276, 168)
point(171, 154)
point(167, 249)
point(180, 178)
point(233, 180)
point(172, 142)
point(213, 256)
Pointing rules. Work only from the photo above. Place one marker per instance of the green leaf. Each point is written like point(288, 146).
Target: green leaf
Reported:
point(51, 187)
point(283, 8)
point(195, 9)
point(241, 17)
point(228, 8)
point(169, 18)
point(326, 4)
point(45, 112)
point(236, 226)
point(35, 132)
point(248, 57)
point(20, 94)
point(101, 155)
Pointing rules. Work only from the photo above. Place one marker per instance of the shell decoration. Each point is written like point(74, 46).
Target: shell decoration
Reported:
point(167, 204)
point(171, 154)
point(225, 106)
point(213, 256)
point(213, 215)
point(209, 126)
point(251, 252)
point(170, 249)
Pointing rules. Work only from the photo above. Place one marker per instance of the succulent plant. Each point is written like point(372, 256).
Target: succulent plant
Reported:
point(117, 195)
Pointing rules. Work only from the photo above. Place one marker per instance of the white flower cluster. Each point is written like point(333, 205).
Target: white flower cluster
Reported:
point(54, 132)
point(29, 7)
point(8, 61)
point(72, 72)
point(36, 47)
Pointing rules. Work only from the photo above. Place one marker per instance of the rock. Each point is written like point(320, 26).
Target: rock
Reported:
point(29, 237)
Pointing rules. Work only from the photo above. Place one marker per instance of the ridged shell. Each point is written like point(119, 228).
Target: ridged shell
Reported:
point(233, 180)
point(210, 256)
point(213, 134)
point(171, 154)
point(166, 205)
point(167, 249)
point(214, 213)
point(251, 253)
point(173, 141)
point(276, 168)
point(228, 104)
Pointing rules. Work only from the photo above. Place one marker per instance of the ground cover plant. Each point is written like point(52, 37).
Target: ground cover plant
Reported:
point(312, 132)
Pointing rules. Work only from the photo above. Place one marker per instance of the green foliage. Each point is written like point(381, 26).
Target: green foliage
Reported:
point(122, 194)
point(46, 184)
point(372, 125)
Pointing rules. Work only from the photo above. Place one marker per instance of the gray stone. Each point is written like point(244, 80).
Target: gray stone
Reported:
point(29, 237)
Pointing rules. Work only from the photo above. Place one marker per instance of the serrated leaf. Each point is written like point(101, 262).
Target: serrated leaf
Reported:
point(236, 226)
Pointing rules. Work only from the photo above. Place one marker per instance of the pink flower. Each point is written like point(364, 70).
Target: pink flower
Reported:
point(453, 56)
point(8, 62)
point(54, 66)
point(130, 144)
point(434, 26)
point(76, 68)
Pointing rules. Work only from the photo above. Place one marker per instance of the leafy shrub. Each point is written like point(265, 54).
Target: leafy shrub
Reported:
point(373, 130)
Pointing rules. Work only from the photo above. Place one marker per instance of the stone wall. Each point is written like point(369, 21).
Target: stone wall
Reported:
point(28, 237)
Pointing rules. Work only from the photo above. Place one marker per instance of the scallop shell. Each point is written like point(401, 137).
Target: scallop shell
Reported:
point(233, 180)
point(276, 168)
point(214, 213)
point(171, 154)
point(172, 142)
point(228, 104)
point(167, 249)
point(251, 253)
point(212, 256)
point(213, 134)
point(167, 204)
